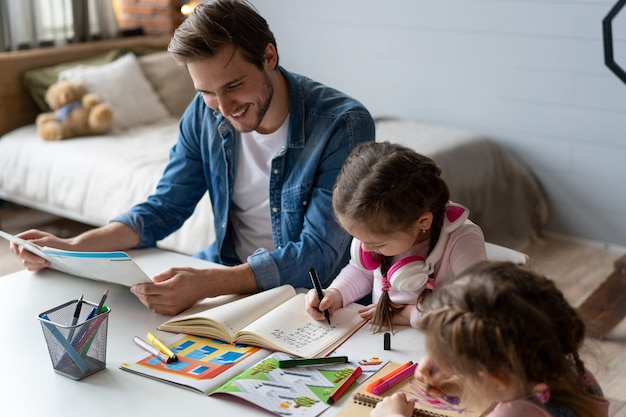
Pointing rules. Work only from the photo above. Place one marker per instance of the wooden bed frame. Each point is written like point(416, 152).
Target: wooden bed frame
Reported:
point(17, 108)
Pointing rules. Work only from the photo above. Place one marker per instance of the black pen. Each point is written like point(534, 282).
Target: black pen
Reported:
point(318, 288)
point(79, 304)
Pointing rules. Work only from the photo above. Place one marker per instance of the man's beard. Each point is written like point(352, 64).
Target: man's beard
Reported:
point(262, 106)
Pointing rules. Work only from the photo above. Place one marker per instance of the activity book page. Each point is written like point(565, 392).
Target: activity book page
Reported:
point(203, 363)
point(301, 391)
point(212, 367)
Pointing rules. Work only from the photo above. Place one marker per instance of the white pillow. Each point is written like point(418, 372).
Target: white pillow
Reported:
point(122, 85)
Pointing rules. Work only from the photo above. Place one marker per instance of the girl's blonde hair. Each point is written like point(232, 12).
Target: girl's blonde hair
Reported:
point(498, 316)
point(387, 187)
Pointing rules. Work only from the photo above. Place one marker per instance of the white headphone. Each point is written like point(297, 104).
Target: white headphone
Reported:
point(411, 273)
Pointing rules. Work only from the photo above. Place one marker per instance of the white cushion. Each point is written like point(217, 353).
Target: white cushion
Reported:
point(502, 253)
point(122, 85)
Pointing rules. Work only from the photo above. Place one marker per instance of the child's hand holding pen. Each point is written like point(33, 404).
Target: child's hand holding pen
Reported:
point(428, 372)
point(332, 301)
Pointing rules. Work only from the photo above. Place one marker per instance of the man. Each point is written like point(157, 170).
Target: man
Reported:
point(253, 127)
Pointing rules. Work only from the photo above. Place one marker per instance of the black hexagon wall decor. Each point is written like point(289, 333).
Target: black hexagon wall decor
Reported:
point(607, 36)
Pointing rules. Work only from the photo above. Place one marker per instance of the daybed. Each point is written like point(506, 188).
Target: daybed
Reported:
point(91, 179)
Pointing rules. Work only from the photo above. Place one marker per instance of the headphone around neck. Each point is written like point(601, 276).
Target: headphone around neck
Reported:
point(411, 273)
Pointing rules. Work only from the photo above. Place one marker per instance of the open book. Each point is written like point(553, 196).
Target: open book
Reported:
point(274, 319)
point(113, 267)
point(210, 367)
point(429, 401)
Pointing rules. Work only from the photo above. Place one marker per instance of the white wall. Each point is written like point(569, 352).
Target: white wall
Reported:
point(529, 73)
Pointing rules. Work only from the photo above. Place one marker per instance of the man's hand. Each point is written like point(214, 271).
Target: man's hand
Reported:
point(31, 261)
point(113, 236)
point(177, 289)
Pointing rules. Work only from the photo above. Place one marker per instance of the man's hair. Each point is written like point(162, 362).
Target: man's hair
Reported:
point(219, 23)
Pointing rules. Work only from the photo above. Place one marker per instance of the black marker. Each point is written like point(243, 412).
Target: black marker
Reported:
point(318, 288)
point(387, 341)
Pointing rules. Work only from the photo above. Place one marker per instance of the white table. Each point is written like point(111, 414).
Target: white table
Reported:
point(32, 388)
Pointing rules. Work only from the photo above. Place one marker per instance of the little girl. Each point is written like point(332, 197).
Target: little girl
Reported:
point(409, 238)
point(510, 337)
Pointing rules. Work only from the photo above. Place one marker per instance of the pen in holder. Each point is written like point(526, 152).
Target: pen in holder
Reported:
point(77, 347)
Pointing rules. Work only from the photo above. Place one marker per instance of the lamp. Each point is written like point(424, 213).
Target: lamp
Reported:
point(187, 7)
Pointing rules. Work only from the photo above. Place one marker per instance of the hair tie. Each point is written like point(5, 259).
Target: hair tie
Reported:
point(385, 284)
point(542, 392)
point(430, 283)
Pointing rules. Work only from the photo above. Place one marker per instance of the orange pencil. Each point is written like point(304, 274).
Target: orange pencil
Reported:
point(369, 387)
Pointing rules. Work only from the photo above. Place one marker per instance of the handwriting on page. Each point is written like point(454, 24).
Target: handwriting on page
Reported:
point(304, 335)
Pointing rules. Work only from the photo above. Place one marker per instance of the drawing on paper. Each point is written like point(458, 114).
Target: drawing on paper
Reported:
point(433, 397)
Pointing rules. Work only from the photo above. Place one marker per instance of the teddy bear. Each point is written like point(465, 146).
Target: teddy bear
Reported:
point(75, 112)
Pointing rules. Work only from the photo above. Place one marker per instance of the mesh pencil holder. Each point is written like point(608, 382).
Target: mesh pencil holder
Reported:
point(76, 350)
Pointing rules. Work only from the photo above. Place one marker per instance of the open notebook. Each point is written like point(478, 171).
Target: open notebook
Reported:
point(274, 319)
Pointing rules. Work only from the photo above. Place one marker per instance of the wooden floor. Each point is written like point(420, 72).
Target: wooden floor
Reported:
point(576, 268)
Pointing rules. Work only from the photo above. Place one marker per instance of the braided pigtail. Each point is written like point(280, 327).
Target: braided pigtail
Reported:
point(385, 309)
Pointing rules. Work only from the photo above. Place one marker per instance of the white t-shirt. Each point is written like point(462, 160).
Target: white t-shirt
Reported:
point(250, 211)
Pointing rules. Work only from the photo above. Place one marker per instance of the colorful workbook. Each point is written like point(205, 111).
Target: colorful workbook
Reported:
point(203, 363)
point(212, 367)
point(429, 401)
point(114, 267)
point(275, 319)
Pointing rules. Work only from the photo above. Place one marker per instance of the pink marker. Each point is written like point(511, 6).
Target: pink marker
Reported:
point(394, 380)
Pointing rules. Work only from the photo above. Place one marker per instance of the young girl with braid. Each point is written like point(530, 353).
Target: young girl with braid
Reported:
point(408, 237)
point(508, 336)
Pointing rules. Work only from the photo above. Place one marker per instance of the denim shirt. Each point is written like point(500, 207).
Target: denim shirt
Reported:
point(324, 126)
